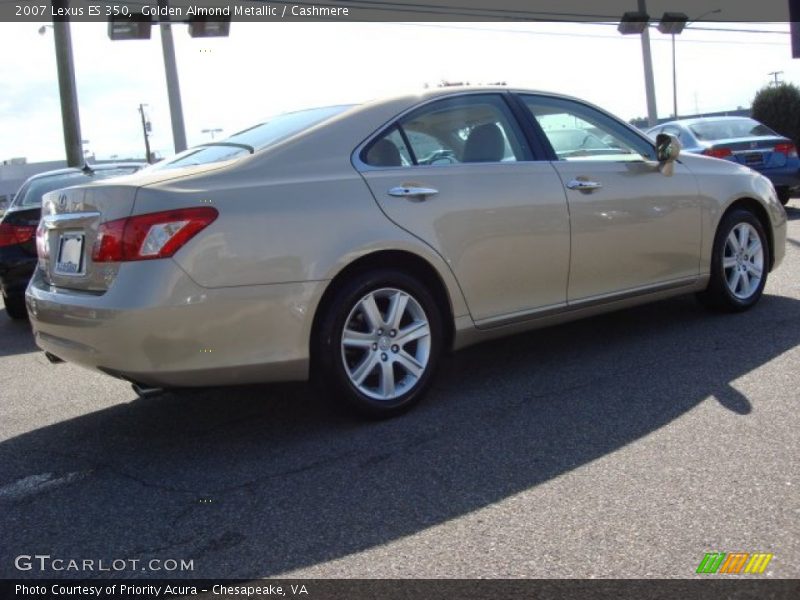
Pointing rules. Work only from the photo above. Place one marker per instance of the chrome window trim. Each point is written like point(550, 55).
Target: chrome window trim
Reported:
point(361, 166)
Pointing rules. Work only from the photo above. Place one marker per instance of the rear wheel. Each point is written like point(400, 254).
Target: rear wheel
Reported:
point(739, 263)
point(380, 342)
point(15, 306)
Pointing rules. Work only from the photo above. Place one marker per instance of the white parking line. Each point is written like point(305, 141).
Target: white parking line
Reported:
point(35, 484)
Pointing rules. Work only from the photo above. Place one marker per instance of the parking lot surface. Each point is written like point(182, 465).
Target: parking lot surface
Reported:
point(626, 445)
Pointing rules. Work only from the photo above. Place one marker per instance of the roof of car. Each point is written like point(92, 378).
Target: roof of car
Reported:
point(414, 96)
point(695, 120)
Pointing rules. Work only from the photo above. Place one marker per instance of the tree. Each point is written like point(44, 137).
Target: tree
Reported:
point(778, 107)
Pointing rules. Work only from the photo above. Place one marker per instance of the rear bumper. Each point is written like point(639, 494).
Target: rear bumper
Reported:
point(156, 327)
point(783, 177)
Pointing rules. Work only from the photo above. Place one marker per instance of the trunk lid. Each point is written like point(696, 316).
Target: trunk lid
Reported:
point(754, 152)
point(69, 228)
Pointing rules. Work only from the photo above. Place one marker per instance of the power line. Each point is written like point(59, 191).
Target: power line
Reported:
point(410, 7)
point(564, 34)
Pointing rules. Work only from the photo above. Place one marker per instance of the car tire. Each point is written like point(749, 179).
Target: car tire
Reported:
point(15, 307)
point(784, 195)
point(379, 343)
point(739, 263)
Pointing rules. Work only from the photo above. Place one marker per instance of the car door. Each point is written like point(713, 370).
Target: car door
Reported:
point(633, 228)
point(458, 174)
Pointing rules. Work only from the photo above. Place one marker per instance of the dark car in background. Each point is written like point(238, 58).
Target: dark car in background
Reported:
point(18, 226)
point(741, 140)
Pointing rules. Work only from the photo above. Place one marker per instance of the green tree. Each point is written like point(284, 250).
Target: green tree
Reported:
point(778, 107)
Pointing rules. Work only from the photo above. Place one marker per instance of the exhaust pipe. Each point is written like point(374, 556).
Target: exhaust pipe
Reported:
point(53, 358)
point(146, 392)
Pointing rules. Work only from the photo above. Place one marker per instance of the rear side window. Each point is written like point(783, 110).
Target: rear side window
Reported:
point(389, 151)
point(466, 129)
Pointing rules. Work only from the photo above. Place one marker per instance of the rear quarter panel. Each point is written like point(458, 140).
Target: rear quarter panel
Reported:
point(298, 214)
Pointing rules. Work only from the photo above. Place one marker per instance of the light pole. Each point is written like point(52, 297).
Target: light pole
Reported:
point(70, 118)
point(637, 23)
point(674, 23)
point(137, 27)
point(173, 86)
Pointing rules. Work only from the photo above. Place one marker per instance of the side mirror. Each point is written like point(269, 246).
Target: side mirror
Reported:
point(667, 147)
point(667, 150)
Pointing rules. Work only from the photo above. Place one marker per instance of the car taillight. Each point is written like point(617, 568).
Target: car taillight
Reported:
point(154, 235)
point(718, 152)
point(15, 234)
point(786, 148)
point(42, 245)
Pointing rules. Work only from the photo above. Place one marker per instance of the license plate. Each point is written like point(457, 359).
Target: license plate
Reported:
point(753, 159)
point(70, 255)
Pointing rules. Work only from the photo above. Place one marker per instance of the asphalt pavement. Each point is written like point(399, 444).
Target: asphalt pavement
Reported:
point(626, 445)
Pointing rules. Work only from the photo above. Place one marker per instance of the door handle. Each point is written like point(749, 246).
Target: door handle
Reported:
point(584, 185)
point(410, 191)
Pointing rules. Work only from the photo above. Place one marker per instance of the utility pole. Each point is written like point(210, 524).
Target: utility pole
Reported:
point(146, 132)
point(775, 74)
point(173, 86)
point(70, 117)
point(649, 82)
point(674, 82)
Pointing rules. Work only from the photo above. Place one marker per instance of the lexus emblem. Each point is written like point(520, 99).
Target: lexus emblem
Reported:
point(62, 200)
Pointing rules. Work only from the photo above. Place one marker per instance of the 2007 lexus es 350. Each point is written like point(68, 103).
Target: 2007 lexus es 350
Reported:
point(358, 243)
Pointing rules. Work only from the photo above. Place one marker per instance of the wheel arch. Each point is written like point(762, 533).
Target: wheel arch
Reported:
point(403, 260)
point(754, 206)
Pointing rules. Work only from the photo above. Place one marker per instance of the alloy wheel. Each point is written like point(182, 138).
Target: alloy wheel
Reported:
point(386, 343)
point(743, 261)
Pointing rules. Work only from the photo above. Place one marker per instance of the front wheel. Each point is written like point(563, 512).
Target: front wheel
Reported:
point(739, 263)
point(380, 342)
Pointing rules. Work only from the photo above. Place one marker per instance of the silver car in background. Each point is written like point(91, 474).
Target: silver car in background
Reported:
point(357, 243)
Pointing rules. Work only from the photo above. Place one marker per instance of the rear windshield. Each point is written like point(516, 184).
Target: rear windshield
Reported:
point(258, 137)
point(31, 192)
point(728, 129)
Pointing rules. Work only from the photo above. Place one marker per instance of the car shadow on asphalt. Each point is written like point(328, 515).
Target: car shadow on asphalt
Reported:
point(12, 336)
point(793, 212)
point(261, 480)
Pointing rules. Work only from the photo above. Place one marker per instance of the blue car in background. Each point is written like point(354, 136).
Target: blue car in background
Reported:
point(742, 140)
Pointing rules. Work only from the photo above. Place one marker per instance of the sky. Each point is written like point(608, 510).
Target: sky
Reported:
point(263, 69)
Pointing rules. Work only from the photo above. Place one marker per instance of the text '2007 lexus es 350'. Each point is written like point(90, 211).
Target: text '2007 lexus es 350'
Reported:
point(357, 243)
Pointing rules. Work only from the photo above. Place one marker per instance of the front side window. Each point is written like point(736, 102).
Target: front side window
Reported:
point(465, 129)
point(579, 132)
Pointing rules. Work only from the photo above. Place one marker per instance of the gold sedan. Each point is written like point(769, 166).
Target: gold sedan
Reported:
point(356, 244)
